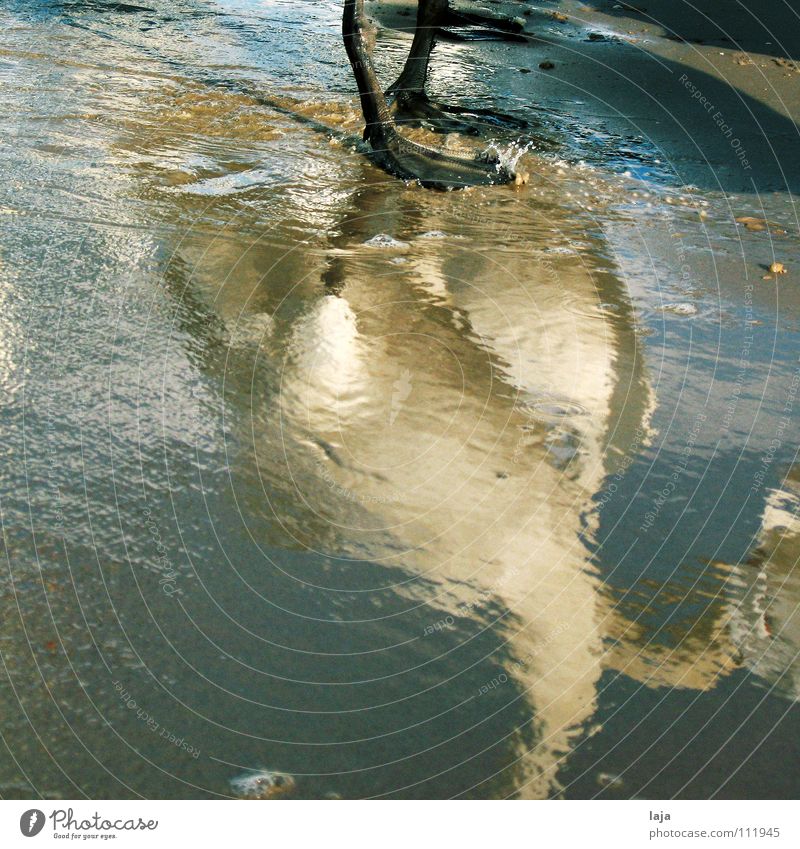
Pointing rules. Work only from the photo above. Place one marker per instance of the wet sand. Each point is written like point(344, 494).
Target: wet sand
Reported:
point(398, 493)
point(701, 99)
point(712, 86)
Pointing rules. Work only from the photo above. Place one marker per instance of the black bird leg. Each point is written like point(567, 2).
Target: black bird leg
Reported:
point(412, 105)
point(406, 159)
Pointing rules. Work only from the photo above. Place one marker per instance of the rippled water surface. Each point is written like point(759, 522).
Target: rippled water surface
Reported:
point(305, 471)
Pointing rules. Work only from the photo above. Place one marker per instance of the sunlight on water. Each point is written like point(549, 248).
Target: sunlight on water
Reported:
point(355, 489)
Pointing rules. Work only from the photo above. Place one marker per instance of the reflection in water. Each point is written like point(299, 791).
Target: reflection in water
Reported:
point(435, 409)
point(764, 624)
point(345, 508)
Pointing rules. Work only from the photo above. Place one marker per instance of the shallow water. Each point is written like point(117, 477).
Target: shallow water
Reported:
point(397, 493)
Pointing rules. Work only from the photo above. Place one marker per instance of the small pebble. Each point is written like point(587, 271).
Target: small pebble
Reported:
point(609, 779)
point(751, 223)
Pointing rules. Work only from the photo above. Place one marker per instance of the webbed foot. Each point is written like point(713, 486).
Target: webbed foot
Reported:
point(416, 109)
point(436, 169)
point(463, 25)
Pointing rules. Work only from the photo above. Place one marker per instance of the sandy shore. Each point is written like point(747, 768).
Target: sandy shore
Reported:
point(359, 490)
point(713, 86)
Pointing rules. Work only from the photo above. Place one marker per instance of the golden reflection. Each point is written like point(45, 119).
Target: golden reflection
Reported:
point(441, 402)
point(743, 616)
point(440, 409)
point(410, 389)
point(436, 384)
point(765, 626)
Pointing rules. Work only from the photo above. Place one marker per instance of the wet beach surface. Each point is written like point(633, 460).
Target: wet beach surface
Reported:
point(319, 485)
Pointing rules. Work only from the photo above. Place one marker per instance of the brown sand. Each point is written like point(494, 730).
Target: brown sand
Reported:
point(714, 86)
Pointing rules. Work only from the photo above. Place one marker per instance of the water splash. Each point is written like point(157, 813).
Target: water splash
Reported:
point(508, 155)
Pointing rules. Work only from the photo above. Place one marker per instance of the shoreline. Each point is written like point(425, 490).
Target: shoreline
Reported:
point(712, 93)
